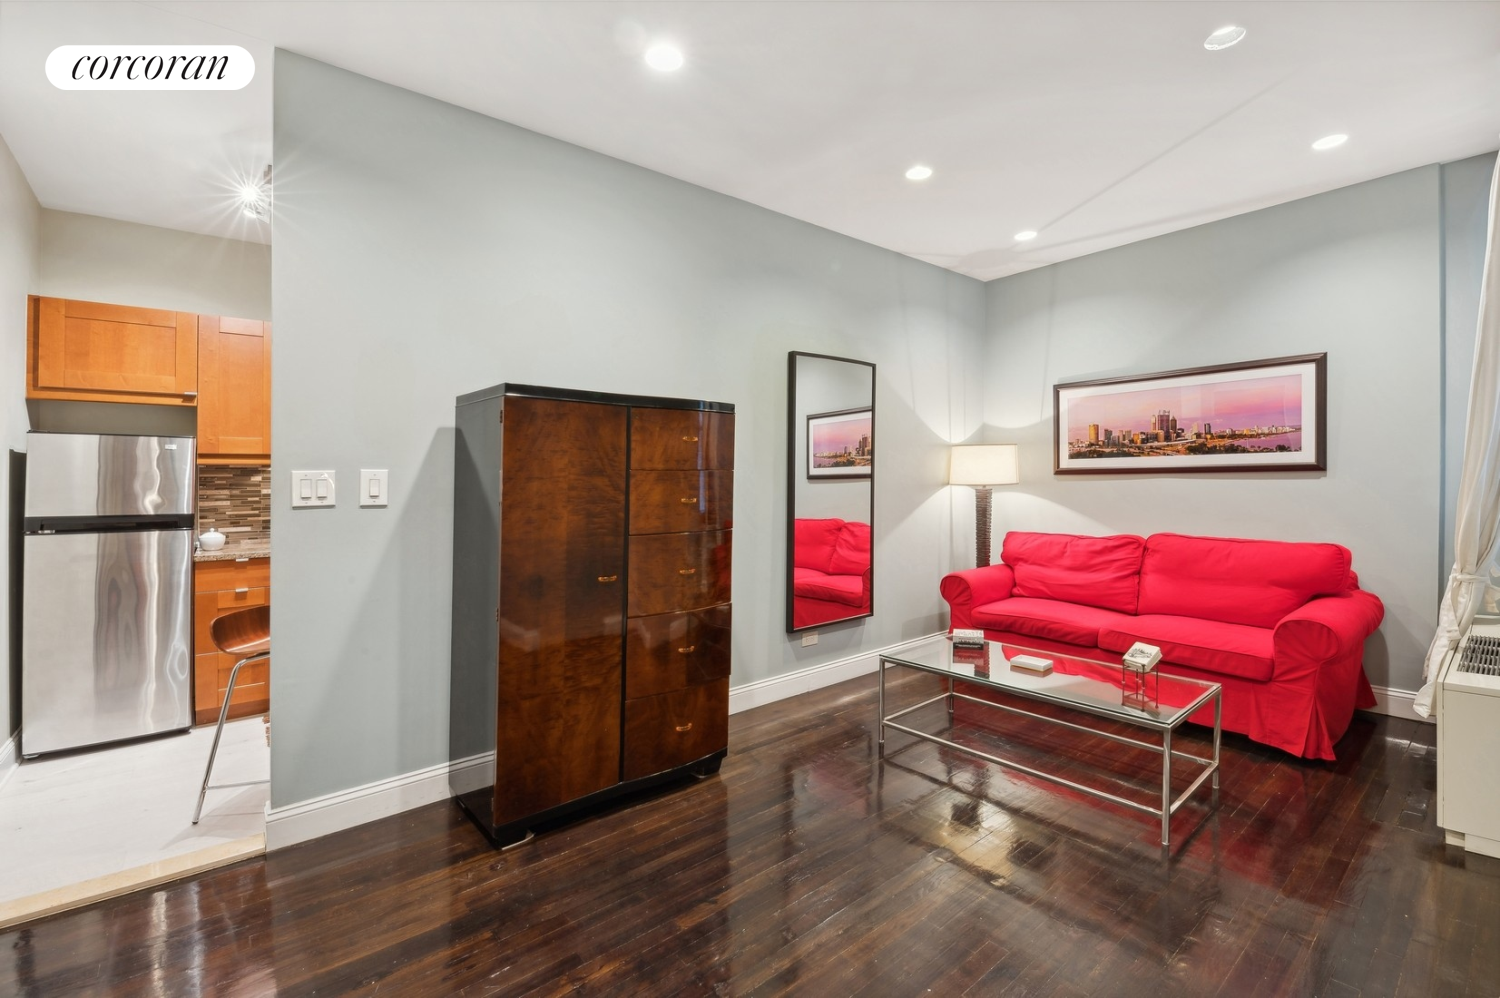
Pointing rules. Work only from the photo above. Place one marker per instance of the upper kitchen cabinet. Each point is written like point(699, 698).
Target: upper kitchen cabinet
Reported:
point(234, 385)
point(92, 352)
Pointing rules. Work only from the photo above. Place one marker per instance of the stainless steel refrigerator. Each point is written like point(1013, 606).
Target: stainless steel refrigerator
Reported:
point(106, 613)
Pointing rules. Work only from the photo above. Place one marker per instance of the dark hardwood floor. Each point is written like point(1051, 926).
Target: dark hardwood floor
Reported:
point(807, 867)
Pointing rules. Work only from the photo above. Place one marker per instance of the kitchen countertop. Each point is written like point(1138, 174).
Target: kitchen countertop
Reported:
point(259, 547)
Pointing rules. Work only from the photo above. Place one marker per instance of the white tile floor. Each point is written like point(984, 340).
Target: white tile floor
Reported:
point(78, 818)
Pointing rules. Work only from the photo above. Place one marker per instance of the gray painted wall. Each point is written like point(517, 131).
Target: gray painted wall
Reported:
point(1466, 200)
point(18, 272)
point(423, 251)
point(125, 263)
point(1355, 272)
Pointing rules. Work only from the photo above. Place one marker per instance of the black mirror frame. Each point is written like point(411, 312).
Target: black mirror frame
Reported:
point(792, 471)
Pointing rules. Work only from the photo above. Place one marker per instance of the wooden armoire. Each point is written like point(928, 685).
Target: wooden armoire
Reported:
point(591, 613)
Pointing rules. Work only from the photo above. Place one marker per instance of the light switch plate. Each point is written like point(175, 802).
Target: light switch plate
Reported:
point(312, 489)
point(374, 487)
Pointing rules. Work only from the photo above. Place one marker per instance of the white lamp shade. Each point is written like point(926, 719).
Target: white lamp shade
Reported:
point(993, 464)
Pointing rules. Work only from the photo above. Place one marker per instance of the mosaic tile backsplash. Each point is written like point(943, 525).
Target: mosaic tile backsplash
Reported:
point(237, 500)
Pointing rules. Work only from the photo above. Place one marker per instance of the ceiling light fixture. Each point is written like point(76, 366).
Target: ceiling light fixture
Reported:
point(255, 196)
point(919, 172)
point(1025, 237)
point(664, 57)
point(1230, 34)
point(1330, 142)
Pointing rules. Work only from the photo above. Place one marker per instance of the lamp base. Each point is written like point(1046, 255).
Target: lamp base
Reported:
point(982, 497)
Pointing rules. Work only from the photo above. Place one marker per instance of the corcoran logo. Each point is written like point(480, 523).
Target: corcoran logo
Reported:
point(150, 67)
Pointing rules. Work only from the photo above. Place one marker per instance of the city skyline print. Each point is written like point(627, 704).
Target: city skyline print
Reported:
point(841, 444)
point(1253, 416)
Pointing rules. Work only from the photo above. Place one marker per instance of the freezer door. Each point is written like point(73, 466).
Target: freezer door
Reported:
point(106, 640)
point(87, 474)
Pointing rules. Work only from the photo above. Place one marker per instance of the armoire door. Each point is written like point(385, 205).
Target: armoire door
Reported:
point(562, 603)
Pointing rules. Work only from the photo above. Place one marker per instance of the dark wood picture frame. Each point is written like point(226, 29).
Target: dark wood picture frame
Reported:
point(1230, 457)
point(840, 474)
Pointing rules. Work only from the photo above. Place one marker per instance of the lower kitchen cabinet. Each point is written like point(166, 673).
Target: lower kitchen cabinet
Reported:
point(220, 587)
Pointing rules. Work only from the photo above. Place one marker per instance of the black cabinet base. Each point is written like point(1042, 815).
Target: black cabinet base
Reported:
point(477, 803)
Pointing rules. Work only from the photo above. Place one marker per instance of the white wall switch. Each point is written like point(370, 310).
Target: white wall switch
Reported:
point(809, 639)
point(312, 489)
point(373, 483)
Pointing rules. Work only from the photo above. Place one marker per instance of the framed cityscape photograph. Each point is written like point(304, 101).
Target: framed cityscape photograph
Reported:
point(1264, 415)
point(841, 444)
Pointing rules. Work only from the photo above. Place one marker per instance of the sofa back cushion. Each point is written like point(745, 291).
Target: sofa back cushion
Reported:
point(851, 552)
point(813, 542)
point(1238, 581)
point(1093, 571)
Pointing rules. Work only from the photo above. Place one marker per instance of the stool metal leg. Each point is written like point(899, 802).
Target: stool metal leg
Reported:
point(219, 733)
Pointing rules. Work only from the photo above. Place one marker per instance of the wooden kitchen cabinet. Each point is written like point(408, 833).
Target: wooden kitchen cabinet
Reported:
point(220, 587)
point(234, 390)
point(94, 352)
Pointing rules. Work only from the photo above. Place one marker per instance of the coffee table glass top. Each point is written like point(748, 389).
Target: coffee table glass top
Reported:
point(1099, 684)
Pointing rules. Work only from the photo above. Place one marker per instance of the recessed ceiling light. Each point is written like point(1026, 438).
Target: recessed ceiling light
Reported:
point(1330, 142)
point(255, 196)
point(1025, 237)
point(919, 172)
point(1230, 34)
point(664, 57)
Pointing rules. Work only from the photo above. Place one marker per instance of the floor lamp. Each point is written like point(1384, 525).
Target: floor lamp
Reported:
point(983, 467)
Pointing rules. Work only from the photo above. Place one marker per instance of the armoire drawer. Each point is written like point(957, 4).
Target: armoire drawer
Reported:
point(669, 502)
point(681, 438)
point(676, 728)
point(672, 651)
point(670, 572)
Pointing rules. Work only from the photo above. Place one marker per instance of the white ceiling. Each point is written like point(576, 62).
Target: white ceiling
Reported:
point(1095, 123)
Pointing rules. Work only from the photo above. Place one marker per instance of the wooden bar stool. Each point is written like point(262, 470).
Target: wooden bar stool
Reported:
point(246, 633)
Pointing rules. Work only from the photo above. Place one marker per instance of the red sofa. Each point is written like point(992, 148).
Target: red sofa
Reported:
point(830, 570)
point(1281, 626)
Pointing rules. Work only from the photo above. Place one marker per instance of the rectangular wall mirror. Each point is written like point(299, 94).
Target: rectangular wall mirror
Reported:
point(830, 573)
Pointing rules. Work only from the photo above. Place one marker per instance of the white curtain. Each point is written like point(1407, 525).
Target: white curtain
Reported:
point(1477, 523)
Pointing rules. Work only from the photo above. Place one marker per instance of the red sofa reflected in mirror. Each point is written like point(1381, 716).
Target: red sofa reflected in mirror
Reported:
point(831, 571)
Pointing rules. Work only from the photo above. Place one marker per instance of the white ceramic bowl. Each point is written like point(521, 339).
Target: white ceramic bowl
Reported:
point(211, 540)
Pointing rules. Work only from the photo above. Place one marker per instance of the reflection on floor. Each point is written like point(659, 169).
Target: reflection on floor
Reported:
point(91, 824)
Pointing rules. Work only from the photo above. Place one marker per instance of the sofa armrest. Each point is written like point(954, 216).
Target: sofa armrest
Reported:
point(975, 587)
point(1324, 629)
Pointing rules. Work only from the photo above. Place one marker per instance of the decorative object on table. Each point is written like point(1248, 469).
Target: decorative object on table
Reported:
point(1264, 415)
point(977, 656)
point(211, 539)
point(1142, 657)
point(841, 444)
point(1032, 663)
point(967, 637)
point(983, 467)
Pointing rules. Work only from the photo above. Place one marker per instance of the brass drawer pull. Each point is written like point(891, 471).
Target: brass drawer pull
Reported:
point(685, 727)
point(608, 578)
point(690, 440)
point(688, 650)
point(687, 571)
point(688, 501)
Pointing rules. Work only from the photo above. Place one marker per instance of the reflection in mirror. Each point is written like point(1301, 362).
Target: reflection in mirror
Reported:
point(830, 490)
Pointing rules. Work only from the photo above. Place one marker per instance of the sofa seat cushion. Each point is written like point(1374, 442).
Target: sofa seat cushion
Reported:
point(809, 583)
point(1238, 581)
point(1102, 572)
point(1053, 620)
point(1227, 649)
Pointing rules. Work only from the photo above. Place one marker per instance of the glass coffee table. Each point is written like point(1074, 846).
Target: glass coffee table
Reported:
point(1094, 685)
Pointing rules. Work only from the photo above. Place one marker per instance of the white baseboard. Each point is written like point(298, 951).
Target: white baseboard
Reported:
point(1397, 703)
point(319, 816)
point(764, 691)
point(9, 760)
